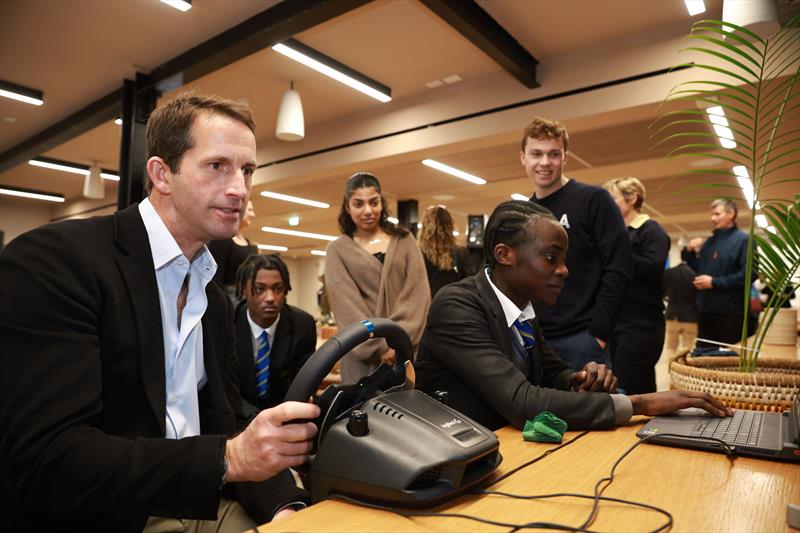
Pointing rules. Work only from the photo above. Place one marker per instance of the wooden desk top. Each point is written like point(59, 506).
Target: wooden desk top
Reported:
point(704, 491)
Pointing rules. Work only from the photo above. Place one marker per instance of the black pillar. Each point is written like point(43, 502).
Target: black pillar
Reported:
point(138, 101)
point(408, 214)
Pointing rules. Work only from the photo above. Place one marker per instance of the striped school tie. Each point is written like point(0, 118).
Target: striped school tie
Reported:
point(262, 366)
point(526, 331)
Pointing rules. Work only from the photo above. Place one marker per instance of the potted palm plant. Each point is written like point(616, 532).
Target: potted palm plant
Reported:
point(750, 92)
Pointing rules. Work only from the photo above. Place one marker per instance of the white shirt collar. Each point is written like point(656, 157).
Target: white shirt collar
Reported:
point(163, 245)
point(510, 309)
point(257, 330)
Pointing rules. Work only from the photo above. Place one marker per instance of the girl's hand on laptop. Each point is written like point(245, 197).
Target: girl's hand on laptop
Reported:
point(659, 403)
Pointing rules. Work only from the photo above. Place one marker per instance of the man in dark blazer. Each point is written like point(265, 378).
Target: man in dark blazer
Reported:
point(263, 281)
point(99, 429)
point(482, 343)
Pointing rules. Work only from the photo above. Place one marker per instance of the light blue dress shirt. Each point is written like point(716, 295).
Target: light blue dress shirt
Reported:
point(183, 347)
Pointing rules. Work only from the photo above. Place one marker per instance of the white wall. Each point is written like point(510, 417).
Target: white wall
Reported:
point(304, 273)
point(19, 216)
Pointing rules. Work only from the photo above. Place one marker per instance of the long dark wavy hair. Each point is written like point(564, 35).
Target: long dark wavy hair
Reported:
point(361, 180)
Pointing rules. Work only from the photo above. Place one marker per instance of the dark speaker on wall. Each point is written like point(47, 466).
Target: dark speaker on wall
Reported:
point(408, 214)
point(474, 231)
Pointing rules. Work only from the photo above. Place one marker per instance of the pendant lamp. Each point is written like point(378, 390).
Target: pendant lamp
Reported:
point(758, 16)
point(291, 124)
point(93, 186)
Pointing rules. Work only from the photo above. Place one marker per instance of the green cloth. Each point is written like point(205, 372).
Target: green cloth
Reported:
point(545, 427)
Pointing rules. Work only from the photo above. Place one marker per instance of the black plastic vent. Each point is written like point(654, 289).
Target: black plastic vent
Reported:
point(426, 479)
point(757, 451)
point(386, 410)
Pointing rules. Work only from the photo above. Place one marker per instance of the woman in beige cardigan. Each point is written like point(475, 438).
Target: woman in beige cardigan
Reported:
point(374, 270)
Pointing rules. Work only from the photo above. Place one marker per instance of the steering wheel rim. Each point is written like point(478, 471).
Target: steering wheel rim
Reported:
point(321, 362)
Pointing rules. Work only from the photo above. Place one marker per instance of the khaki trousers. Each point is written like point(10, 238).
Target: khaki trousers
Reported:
point(231, 518)
point(680, 335)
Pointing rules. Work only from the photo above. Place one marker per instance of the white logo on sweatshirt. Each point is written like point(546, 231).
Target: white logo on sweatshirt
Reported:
point(564, 221)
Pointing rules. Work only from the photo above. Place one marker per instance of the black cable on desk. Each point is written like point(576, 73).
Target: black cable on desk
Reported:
point(597, 496)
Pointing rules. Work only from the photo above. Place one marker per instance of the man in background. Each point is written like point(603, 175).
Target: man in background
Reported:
point(119, 397)
point(273, 339)
point(720, 280)
point(599, 260)
point(681, 295)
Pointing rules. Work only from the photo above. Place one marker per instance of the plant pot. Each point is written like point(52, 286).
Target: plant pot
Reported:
point(783, 329)
point(772, 387)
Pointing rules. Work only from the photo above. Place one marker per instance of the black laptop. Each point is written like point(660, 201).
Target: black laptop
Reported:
point(752, 433)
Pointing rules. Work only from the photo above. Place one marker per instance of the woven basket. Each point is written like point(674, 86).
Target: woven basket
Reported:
point(772, 387)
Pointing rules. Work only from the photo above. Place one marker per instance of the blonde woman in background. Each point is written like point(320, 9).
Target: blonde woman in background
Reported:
point(375, 269)
point(638, 336)
point(444, 261)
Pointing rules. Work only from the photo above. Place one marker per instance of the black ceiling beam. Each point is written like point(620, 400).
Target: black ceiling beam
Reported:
point(475, 24)
point(91, 116)
point(265, 29)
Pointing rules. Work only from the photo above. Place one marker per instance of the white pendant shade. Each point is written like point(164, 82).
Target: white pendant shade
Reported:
point(758, 16)
point(291, 123)
point(93, 186)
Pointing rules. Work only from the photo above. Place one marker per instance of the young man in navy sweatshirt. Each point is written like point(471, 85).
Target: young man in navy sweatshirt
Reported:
point(578, 326)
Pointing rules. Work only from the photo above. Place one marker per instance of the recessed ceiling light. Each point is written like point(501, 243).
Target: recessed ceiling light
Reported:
point(294, 233)
point(716, 115)
point(273, 247)
point(761, 220)
point(118, 121)
point(30, 193)
point(318, 252)
point(520, 197)
point(456, 233)
point(434, 84)
point(21, 93)
point(295, 199)
point(455, 78)
point(180, 5)
point(333, 69)
point(695, 7)
point(447, 169)
point(294, 220)
point(393, 220)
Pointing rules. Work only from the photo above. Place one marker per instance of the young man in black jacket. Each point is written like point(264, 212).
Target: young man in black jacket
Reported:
point(599, 259)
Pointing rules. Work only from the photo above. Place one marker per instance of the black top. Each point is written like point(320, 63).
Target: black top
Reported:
point(650, 244)
point(599, 262)
point(681, 294)
point(381, 256)
point(438, 278)
point(229, 256)
point(724, 258)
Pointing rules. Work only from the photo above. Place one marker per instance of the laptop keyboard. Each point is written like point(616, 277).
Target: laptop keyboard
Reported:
point(740, 429)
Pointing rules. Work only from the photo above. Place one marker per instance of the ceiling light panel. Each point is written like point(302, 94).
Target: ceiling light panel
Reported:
point(294, 199)
point(21, 94)
point(333, 69)
point(180, 5)
point(30, 193)
point(272, 247)
point(295, 233)
point(695, 7)
point(63, 166)
point(447, 169)
point(520, 197)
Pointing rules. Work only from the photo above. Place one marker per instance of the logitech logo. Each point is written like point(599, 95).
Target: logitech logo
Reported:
point(453, 422)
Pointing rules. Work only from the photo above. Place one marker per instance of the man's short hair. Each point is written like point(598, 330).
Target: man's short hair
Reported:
point(727, 204)
point(169, 128)
point(628, 188)
point(249, 268)
point(542, 128)
point(507, 225)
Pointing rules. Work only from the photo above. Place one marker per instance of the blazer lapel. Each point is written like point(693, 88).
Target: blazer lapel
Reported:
point(244, 345)
point(138, 273)
point(501, 333)
point(281, 342)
